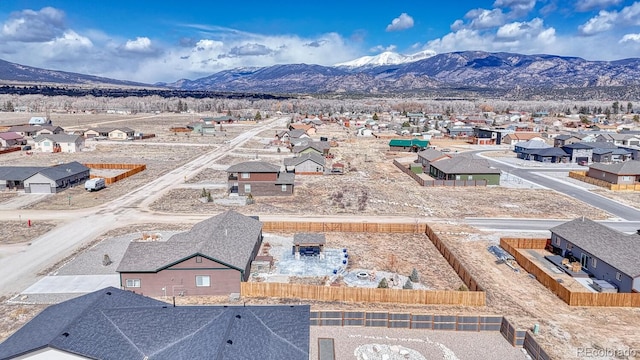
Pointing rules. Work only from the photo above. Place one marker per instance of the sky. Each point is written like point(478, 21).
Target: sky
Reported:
point(164, 41)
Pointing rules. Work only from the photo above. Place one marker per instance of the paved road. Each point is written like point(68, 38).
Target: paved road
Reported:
point(540, 225)
point(536, 175)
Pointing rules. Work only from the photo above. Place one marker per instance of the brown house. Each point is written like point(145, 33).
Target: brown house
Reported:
point(210, 259)
point(259, 179)
point(626, 173)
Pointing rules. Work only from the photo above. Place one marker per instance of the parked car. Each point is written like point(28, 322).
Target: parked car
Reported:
point(583, 162)
point(445, 150)
point(26, 147)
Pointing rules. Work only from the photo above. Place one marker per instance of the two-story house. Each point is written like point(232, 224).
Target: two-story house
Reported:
point(259, 178)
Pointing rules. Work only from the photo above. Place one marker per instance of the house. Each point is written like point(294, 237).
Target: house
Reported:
point(95, 132)
point(34, 130)
point(427, 156)
point(411, 145)
point(306, 164)
point(486, 136)
point(619, 139)
point(202, 128)
point(59, 143)
point(210, 259)
point(609, 155)
point(287, 136)
point(259, 179)
point(121, 133)
point(464, 168)
point(565, 139)
point(579, 152)
point(115, 324)
point(309, 129)
point(546, 155)
point(602, 127)
point(13, 177)
point(320, 147)
point(460, 131)
point(11, 139)
point(627, 172)
point(604, 253)
point(54, 179)
point(516, 137)
point(522, 148)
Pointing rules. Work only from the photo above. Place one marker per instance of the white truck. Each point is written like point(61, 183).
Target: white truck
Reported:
point(94, 184)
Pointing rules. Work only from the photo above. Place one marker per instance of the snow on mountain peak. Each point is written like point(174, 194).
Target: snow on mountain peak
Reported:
point(387, 58)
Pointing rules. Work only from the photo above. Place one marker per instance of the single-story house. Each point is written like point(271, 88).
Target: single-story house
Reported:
point(627, 172)
point(427, 156)
point(546, 155)
point(259, 178)
point(609, 155)
point(309, 129)
point(210, 259)
point(579, 152)
point(117, 324)
point(604, 253)
point(517, 137)
point(320, 147)
point(120, 133)
point(411, 145)
point(203, 128)
point(464, 168)
point(59, 143)
point(13, 177)
point(306, 164)
point(565, 139)
point(56, 178)
point(11, 139)
point(34, 130)
point(620, 139)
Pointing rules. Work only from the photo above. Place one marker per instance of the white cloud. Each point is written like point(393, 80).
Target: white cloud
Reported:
point(630, 38)
point(380, 48)
point(33, 26)
point(588, 5)
point(604, 21)
point(630, 15)
point(517, 7)
point(519, 30)
point(141, 45)
point(485, 19)
point(402, 22)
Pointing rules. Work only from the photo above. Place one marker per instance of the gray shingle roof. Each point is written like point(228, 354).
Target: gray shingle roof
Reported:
point(431, 154)
point(18, 173)
point(136, 327)
point(59, 138)
point(320, 146)
point(285, 178)
point(253, 167)
point(315, 157)
point(309, 238)
point(229, 238)
point(617, 249)
point(533, 144)
point(59, 172)
point(464, 165)
point(631, 167)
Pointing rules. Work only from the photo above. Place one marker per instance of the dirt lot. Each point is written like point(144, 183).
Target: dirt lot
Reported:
point(630, 198)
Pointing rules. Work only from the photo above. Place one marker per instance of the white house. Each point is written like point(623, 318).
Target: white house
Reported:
point(59, 143)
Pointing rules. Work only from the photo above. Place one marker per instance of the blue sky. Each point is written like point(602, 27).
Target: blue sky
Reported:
point(169, 40)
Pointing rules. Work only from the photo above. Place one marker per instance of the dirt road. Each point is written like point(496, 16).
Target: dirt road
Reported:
point(80, 227)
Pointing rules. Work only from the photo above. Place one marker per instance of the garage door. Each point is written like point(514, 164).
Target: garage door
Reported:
point(40, 188)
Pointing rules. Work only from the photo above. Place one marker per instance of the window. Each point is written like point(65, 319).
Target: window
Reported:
point(626, 178)
point(557, 240)
point(203, 280)
point(284, 188)
point(245, 175)
point(198, 259)
point(247, 188)
point(618, 276)
point(133, 283)
point(470, 177)
point(594, 262)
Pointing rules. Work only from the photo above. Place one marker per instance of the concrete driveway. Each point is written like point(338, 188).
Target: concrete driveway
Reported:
point(72, 284)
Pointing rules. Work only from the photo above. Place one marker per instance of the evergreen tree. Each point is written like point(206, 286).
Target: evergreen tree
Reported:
point(615, 107)
point(383, 284)
point(629, 108)
point(258, 116)
point(408, 285)
point(375, 116)
point(414, 277)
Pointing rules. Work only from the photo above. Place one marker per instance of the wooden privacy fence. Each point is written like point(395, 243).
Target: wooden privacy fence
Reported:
point(582, 176)
point(9, 150)
point(132, 169)
point(293, 226)
point(408, 171)
point(535, 351)
point(356, 294)
point(572, 298)
point(462, 272)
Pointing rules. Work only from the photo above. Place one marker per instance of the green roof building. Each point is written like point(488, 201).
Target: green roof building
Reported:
point(411, 145)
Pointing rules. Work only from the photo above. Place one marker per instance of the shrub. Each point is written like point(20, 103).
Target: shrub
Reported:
point(383, 284)
point(408, 285)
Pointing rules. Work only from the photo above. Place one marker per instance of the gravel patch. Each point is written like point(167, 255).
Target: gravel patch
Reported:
point(353, 342)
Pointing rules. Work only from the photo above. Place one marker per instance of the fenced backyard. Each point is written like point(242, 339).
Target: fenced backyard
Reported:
point(582, 176)
point(572, 298)
point(132, 169)
point(435, 182)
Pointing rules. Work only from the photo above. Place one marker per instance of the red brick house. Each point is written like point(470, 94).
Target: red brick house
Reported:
point(259, 178)
point(212, 258)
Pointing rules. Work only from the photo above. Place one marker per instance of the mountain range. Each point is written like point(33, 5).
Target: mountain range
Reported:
point(390, 73)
